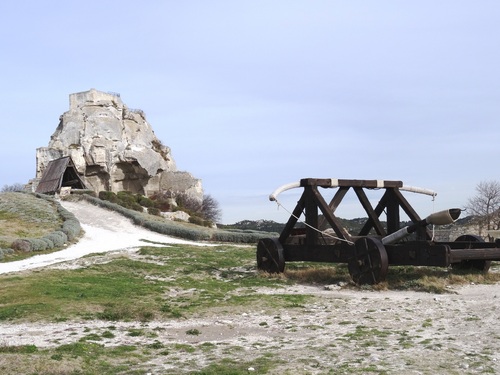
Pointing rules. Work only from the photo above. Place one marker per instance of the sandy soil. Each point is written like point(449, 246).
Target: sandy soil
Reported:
point(341, 331)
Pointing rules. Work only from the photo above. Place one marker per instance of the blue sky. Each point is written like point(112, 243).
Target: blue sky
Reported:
point(251, 95)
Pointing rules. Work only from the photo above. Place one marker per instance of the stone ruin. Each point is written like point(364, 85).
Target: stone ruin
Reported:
point(114, 148)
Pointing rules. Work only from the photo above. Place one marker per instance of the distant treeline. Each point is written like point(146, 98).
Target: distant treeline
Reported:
point(352, 225)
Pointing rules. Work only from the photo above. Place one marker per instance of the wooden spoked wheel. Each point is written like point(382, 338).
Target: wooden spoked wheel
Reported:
point(369, 263)
point(270, 257)
point(472, 264)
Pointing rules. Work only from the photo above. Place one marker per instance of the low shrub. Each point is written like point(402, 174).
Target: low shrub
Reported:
point(162, 200)
point(154, 211)
point(196, 220)
point(48, 242)
point(21, 245)
point(126, 199)
point(71, 228)
point(137, 207)
point(108, 196)
point(171, 229)
point(239, 236)
point(145, 201)
point(83, 191)
point(32, 244)
point(37, 244)
point(58, 238)
point(4, 252)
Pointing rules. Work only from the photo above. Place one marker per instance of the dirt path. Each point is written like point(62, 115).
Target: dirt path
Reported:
point(105, 231)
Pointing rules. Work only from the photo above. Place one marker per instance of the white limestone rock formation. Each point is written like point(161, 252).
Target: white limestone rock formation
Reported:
point(114, 148)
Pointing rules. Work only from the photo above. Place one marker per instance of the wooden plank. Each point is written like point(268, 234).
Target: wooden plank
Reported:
point(371, 184)
point(457, 255)
point(418, 253)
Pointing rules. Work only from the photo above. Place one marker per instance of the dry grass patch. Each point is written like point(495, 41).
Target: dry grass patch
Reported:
point(422, 279)
point(317, 274)
point(38, 363)
point(24, 215)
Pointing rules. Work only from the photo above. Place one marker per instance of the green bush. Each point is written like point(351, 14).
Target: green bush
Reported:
point(154, 211)
point(108, 196)
point(4, 252)
point(71, 228)
point(169, 228)
point(196, 220)
point(48, 242)
point(239, 237)
point(145, 201)
point(58, 238)
point(37, 244)
point(83, 191)
point(128, 200)
point(136, 207)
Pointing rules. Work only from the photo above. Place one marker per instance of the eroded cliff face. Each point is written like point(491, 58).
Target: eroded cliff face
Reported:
point(114, 148)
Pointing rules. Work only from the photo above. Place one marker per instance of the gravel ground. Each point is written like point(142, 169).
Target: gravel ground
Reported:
point(342, 331)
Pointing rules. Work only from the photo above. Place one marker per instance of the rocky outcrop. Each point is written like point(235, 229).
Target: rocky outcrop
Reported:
point(114, 148)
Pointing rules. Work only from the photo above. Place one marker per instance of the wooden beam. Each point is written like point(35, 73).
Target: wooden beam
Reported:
point(378, 211)
point(332, 220)
point(334, 203)
point(286, 232)
point(311, 212)
point(412, 214)
point(393, 218)
point(333, 182)
point(372, 215)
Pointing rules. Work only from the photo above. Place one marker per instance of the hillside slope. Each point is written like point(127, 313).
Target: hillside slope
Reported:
point(105, 231)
